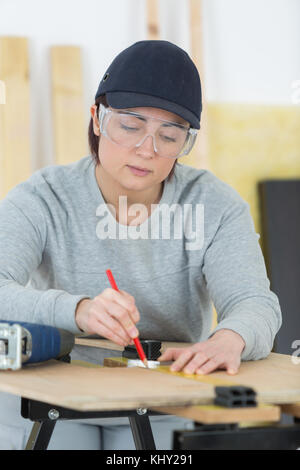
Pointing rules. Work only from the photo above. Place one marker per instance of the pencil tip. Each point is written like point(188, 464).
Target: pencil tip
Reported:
point(146, 363)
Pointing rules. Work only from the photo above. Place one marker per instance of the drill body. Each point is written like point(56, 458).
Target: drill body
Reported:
point(23, 342)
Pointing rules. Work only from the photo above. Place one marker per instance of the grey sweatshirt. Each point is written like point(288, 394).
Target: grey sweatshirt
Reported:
point(58, 237)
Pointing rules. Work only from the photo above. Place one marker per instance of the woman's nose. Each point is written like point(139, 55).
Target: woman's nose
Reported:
point(146, 146)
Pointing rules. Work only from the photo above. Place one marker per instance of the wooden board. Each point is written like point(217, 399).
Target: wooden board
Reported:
point(199, 156)
point(152, 19)
point(15, 162)
point(106, 344)
point(212, 414)
point(275, 379)
point(70, 132)
point(293, 409)
point(82, 388)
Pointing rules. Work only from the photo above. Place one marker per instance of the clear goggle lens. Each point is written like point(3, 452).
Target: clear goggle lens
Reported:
point(130, 130)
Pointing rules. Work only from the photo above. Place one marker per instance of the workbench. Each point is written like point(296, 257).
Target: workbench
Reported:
point(59, 390)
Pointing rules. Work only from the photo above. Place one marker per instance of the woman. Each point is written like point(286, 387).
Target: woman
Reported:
point(176, 238)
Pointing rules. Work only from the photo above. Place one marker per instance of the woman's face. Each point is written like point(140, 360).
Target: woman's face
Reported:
point(118, 161)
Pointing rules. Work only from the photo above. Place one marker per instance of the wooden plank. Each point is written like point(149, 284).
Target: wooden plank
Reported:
point(70, 134)
point(199, 157)
point(83, 388)
point(106, 344)
point(291, 409)
point(152, 19)
point(212, 414)
point(15, 162)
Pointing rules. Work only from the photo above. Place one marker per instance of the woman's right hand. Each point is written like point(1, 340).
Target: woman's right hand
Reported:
point(111, 314)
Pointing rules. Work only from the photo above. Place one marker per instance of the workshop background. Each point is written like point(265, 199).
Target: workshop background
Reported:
point(53, 54)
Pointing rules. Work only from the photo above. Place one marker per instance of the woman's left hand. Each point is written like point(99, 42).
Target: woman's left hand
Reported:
point(222, 351)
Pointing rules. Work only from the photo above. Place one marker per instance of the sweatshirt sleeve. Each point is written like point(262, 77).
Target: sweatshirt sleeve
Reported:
point(23, 235)
point(237, 282)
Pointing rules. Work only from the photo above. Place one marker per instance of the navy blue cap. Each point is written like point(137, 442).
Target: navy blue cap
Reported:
point(154, 73)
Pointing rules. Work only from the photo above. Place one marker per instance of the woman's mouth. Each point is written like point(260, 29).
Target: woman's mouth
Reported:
point(138, 171)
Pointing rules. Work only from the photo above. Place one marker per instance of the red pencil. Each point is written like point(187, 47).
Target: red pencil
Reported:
point(137, 343)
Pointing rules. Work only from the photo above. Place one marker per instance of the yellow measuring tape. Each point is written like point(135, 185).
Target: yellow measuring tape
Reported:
point(123, 361)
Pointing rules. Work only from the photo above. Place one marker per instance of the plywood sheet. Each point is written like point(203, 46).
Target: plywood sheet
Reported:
point(82, 388)
point(275, 379)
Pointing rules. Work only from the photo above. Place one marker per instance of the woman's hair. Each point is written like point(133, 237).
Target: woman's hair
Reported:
point(94, 139)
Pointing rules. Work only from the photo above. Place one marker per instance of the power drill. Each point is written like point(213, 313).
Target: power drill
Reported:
point(22, 342)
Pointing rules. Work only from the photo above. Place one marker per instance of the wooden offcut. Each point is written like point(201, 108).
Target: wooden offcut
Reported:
point(15, 162)
point(70, 130)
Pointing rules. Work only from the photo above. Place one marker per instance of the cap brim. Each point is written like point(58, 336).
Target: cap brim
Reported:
point(121, 100)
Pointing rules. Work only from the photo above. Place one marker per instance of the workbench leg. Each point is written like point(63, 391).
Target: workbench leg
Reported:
point(142, 432)
point(40, 435)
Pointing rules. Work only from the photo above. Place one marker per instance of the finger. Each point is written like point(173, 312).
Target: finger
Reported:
point(101, 330)
point(136, 313)
point(120, 315)
point(232, 366)
point(211, 365)
point(170, 354)
point(124, 299)
point(232, 371)
point(197, 361)
point(182, 360)
point(110, 323)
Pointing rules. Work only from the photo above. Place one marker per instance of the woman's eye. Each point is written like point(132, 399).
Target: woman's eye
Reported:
point(129, 128)
point(167, 138)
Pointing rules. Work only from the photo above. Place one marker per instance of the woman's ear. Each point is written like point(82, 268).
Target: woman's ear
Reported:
point(96, 125)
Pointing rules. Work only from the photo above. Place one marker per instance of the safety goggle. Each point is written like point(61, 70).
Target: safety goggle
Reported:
point(130, 129)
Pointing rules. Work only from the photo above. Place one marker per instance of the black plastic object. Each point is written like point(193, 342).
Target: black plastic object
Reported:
point(280, 223)
point(150, 347)
point(235, 396)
